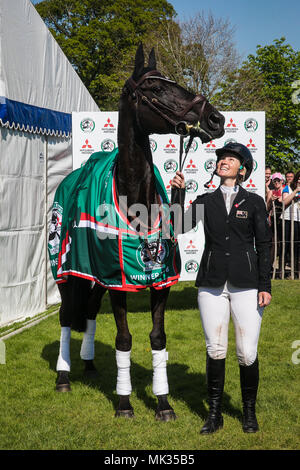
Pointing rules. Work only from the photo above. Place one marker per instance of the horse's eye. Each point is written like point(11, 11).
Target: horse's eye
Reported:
point(157, 89)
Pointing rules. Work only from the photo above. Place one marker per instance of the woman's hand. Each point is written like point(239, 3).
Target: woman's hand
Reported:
point(264, 299)
point(178, 180)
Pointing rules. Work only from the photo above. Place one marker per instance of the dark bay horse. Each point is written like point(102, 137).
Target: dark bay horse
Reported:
point(150, 104)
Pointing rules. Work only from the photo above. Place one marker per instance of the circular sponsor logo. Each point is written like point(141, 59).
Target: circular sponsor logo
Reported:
point(210, 165)
point(191, 266)
point(251, 125)
point(191, 186)
point(153, 145)
point(150, 256)
point(108, 145)
point(229, 141)
point(87, 125)
point(255, 165)
point(193, 147)
point(170, 166)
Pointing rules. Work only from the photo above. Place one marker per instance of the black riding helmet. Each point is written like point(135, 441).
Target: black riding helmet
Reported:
point(241, 152)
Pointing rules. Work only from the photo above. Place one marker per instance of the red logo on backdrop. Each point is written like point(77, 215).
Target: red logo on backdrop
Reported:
point(108, 123)
point(231, 123)
point(170, 144)
point(191, 164)
point(169, 185)
point(251, 144)
point(250, 184)
point(86, 145)
point(211, 185)
point(191, 245)
point(211, 144)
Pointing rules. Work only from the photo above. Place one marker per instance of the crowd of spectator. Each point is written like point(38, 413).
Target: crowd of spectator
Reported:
point(283, 206)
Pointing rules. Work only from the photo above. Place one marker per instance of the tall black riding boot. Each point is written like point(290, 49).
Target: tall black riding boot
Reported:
point(249, 377)
point(215, 376)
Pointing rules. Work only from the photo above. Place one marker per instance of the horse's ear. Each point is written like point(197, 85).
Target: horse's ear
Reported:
point(152, 59)
point(139, 61)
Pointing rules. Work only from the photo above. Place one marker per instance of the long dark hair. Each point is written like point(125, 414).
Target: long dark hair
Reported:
point(295, 181)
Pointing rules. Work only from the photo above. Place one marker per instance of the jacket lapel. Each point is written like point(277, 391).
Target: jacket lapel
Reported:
point(239, 200)
point(219, 201)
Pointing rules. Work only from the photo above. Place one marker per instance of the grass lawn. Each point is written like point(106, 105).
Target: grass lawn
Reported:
point(33, 416)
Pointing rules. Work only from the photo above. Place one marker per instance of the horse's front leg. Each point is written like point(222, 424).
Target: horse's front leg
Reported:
point(123, 352)
point(160, 386)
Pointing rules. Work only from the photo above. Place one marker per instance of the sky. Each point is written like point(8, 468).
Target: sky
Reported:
point(255, 21)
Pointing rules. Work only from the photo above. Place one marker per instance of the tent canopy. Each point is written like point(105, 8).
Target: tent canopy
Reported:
point(39, 89)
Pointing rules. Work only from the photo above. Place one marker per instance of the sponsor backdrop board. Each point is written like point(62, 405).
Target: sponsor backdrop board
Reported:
point(97, 131)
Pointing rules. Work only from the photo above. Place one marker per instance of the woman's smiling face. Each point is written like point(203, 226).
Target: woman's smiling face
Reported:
point(228, 166)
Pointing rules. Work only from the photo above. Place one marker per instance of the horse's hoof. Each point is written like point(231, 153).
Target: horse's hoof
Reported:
point(124, 414)
point(62, 382)
point(165, 415)
point(63, 387)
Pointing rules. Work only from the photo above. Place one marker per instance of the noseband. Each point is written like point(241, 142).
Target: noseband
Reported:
point(158, 106)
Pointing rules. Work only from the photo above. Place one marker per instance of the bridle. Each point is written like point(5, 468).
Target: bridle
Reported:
point(182, 128)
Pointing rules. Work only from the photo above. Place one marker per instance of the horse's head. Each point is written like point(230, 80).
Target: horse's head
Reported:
point(162, 106)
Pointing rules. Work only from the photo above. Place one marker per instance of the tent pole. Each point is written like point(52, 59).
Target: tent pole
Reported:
point(46, 219)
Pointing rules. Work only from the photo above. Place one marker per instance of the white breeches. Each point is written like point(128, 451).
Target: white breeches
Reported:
point(215, 305)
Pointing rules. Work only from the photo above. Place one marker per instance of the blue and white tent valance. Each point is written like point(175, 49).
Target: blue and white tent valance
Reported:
point(34, 119)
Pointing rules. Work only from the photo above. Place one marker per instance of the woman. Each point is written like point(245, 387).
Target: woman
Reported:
point(289, 194)
point(274, 207)
point(233, 277)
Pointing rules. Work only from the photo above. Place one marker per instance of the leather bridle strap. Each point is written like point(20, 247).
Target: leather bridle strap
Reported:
point(155, 104)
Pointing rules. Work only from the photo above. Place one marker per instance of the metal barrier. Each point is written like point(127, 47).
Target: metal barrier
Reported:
point(279, 257)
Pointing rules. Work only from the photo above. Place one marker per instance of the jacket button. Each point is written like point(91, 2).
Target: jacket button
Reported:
point(226, 238)
point(227, 254)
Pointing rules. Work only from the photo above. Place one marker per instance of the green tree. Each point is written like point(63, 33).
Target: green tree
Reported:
point(197, 52)
point(266, 81)
point(100, 38)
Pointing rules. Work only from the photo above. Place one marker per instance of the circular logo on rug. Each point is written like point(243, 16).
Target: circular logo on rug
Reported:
point(153, 254)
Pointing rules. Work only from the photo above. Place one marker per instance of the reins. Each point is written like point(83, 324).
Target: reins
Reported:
point(182, 128)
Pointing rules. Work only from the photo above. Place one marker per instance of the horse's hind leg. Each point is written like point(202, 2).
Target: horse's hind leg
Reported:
point(123, 351)
point(63, 364)
point(87, 351)
point(164, 411)
point(79, 306)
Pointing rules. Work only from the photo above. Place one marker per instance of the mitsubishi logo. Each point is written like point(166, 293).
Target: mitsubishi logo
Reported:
point(170, 144)
point(108, 123)
point(231, 123)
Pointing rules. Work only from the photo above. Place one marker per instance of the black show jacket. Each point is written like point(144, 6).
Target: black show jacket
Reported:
point(237, 245)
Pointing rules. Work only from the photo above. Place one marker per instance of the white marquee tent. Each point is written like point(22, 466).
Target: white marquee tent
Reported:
point(39, 90)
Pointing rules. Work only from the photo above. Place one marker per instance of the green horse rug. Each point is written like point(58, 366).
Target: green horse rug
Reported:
point(91, 237)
